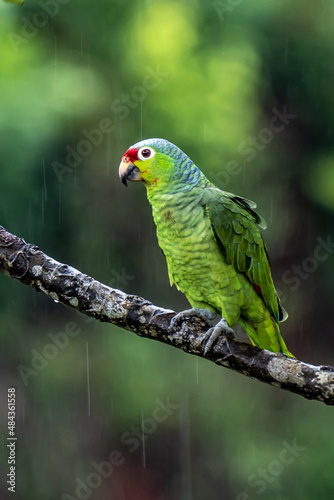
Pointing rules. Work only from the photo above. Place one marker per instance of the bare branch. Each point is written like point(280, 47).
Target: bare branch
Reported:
point(63, 283)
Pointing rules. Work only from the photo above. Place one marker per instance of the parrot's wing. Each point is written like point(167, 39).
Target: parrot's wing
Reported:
point(235, 227)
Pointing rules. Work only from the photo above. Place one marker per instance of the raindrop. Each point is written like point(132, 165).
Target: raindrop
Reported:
point(88, 382)
point(56, 61)
point(143, 439)
point(45, 193)
point(59, 213)
point(141, 119)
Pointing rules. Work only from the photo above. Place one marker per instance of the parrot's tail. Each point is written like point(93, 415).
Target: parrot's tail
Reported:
point(266, 335)
point(284, 348)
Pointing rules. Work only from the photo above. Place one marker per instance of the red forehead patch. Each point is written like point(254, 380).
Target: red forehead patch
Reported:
point(131, 154)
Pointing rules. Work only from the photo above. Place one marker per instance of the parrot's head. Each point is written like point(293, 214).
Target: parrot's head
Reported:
point(156, 162)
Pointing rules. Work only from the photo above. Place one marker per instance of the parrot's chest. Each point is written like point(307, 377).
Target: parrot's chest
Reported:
point(195, 262)
point(185, 236)
point(182, 225)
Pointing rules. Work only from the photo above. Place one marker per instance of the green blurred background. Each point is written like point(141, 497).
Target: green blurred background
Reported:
point(245, 88)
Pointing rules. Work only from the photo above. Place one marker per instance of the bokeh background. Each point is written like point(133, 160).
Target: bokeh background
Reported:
point(245, 88)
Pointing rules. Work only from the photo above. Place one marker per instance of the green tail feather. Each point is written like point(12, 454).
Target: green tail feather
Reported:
point(266, 336)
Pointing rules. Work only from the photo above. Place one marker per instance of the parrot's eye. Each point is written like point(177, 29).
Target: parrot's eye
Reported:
point(145, 153)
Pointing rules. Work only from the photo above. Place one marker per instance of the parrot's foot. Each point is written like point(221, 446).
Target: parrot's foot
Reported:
point(212, 335)
point(203, 314)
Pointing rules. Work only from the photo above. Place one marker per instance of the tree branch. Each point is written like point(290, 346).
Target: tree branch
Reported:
point(63, 283)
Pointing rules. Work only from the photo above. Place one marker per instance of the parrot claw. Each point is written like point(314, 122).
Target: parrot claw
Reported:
point(206, 315)
point(214, 332)
point(203, 314)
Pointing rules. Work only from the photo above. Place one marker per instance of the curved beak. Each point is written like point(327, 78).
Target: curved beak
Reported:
point(128, 171)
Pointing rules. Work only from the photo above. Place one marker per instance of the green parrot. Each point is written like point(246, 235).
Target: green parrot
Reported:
point(214, 250)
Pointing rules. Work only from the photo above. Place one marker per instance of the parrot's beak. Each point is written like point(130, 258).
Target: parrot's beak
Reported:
point(128, 171)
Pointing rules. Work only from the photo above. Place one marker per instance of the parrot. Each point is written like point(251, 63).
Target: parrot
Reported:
point(212, 243)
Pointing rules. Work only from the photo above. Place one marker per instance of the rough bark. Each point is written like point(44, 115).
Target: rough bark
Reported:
point(62, 283)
